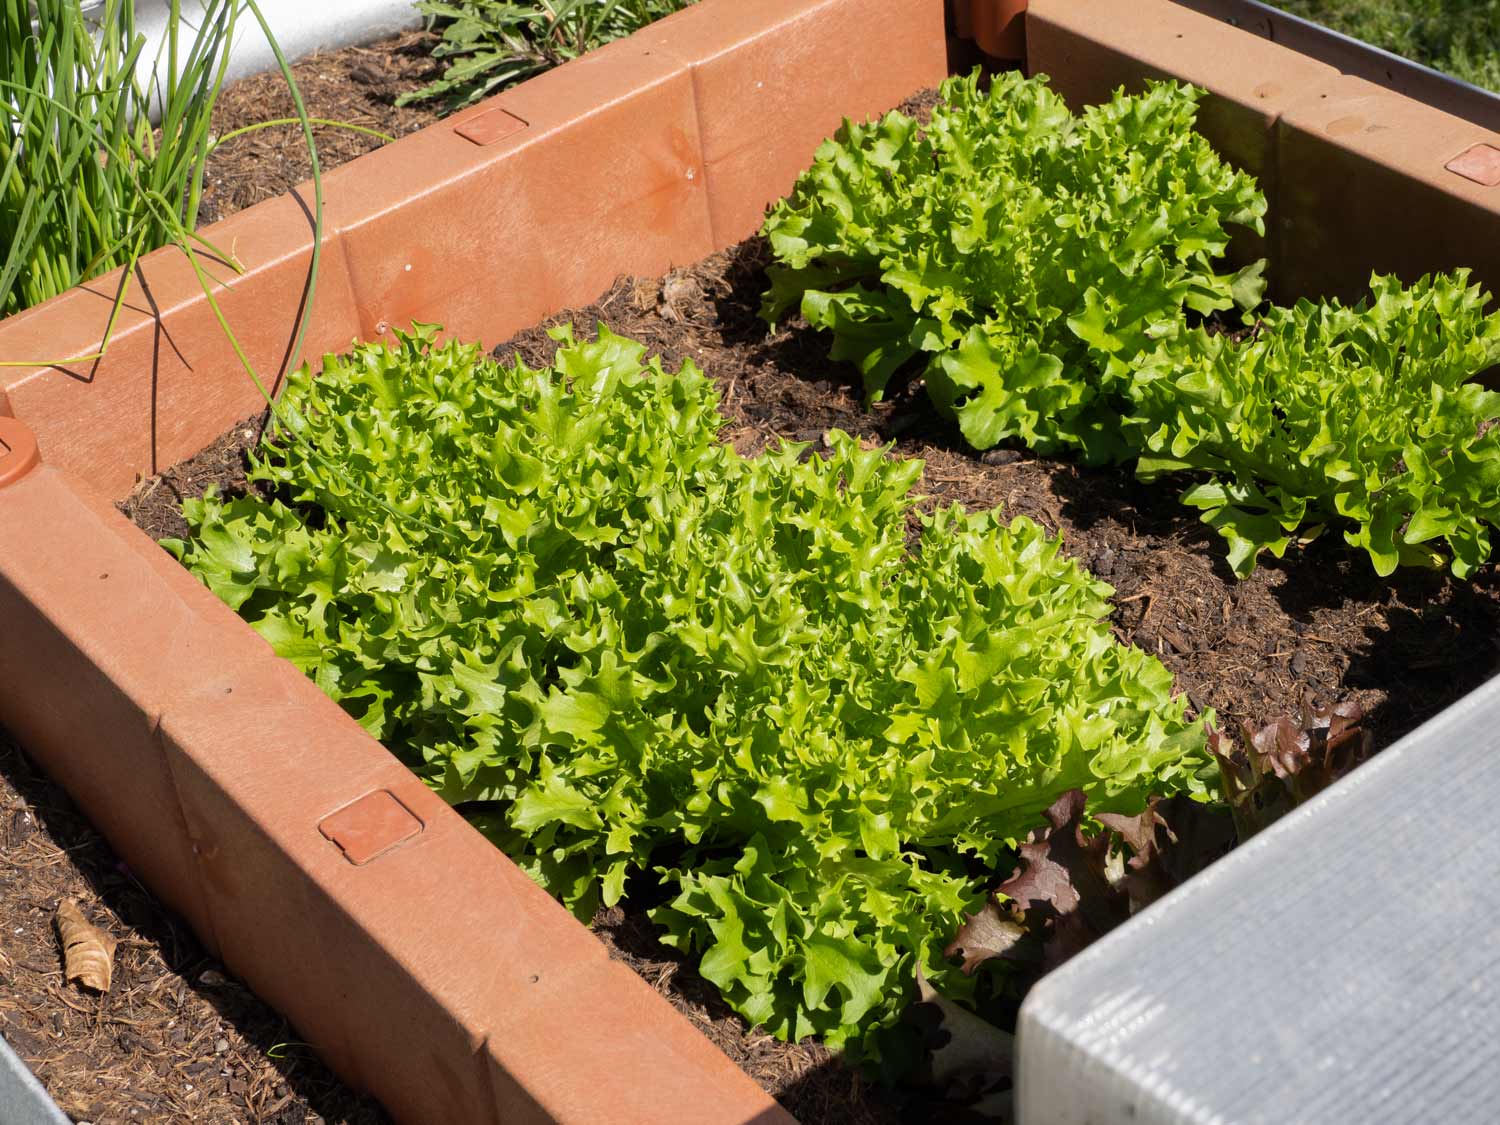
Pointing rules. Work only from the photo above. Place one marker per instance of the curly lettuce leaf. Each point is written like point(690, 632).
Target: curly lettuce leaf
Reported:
point(629, 651)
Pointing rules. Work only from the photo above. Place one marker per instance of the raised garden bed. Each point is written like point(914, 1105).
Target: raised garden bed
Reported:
point(1320, 624)
point(719, 113)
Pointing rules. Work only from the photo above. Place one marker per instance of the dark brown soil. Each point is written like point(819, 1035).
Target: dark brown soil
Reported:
point(176, 1039)
point(356, 86)
point(156, 504)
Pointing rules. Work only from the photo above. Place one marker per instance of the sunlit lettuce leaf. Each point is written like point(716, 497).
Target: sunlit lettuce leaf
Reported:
point(1017, 256)
point(626, 650)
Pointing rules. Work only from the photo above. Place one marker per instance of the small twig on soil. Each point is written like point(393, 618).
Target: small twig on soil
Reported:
point(63, 996)
point(1150, 599)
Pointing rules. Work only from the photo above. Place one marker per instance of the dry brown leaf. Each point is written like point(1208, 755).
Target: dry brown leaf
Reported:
point(88, 952)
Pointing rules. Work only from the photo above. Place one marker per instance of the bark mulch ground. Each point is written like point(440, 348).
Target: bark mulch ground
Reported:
point(355, 86)
point(176, 1038)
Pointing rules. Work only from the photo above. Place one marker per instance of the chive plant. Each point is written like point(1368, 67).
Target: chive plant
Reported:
point(88, 183)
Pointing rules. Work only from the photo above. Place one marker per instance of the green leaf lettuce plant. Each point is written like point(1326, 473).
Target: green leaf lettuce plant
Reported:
point(1359, 416)
point(812, 712)
point(1019, 255)
point(1044, 269)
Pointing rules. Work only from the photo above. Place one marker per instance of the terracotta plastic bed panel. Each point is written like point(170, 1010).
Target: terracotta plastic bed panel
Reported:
point(18, 450)
point(169, 382)
point(1375, 181)
point(99, 637)
point(486, 239)
point(997, 26)
point(756, 130)
point(1352, 57)
point(651, 152)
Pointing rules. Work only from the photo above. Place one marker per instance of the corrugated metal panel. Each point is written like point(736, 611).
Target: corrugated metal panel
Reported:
point(1343, 966)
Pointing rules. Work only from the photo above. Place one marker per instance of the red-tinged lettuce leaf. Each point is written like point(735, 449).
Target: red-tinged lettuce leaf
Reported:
point(1285, 762)
point(1060, 897)
point(1170, 841)
point(996, 930)
point(1073, 886)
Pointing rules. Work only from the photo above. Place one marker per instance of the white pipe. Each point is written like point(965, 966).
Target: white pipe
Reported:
point(301, 27)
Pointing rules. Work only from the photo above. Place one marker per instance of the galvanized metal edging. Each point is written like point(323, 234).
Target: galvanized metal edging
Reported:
point(1356, 57)
point(1342, 966)
point(23, 1101)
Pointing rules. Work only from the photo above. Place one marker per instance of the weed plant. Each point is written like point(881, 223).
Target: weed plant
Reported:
point(491, 45)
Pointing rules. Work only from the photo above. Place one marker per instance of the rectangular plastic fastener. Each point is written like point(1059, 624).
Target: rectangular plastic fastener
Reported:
point(1481, 163)
point(370, 827)
point(488, 127)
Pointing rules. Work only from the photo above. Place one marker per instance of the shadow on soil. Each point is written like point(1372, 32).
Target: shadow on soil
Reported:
point(1422, 639)
point(810, 1082)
